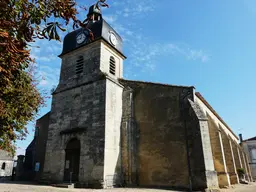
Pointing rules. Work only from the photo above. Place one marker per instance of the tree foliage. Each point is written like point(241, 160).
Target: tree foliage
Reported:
point(240, 172)
point(21, 23)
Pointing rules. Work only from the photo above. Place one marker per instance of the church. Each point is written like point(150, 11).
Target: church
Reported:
point(106, 131)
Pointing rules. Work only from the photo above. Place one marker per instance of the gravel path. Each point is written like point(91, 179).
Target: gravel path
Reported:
point(241, 188)
point(23, 187)
point(10, 187)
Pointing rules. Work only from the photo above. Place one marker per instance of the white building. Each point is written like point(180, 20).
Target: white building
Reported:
point(6, 164)
point(249, 146)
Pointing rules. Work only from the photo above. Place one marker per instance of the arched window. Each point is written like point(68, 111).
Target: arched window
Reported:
point(112, 65)
point(3, 165)
point(79, 64)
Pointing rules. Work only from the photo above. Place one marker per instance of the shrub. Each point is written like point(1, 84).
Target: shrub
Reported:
point(240, 172)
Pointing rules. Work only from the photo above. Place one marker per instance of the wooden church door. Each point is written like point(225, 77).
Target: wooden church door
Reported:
point(72, 159)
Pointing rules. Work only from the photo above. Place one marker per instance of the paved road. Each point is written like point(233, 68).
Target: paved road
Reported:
point(11, 187)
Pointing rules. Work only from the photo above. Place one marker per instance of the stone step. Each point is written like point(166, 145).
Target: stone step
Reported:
point(64, 185)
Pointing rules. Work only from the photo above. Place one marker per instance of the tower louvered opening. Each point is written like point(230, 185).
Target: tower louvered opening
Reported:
point(79, 64)
point(112, 65)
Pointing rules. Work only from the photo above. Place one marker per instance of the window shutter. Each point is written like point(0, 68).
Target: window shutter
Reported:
point(112, 65)
point(79, 64)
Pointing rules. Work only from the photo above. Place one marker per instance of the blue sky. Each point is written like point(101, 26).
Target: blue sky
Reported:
point(208, 44)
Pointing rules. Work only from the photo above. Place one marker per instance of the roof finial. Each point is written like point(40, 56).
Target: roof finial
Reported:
point(94, 11)
point(101, 3)
point(94, 14)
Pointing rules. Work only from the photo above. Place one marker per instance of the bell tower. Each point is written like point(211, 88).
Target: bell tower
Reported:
point(87, 105)
point(91, 51)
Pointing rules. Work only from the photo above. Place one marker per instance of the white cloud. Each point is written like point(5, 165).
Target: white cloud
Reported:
point(197, 54)
point(144, 53)
point(134, 8)
point(145, 56)
point(141, 52)
point(187, 52)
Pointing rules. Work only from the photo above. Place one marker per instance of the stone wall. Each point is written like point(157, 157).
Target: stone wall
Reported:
point(203, 174)
point(91, 68)
point(162, 136)
point(238, 162)
point(7, 171)
point(77, 113)
point(154, 146)
point(218, 153)
point(106, 52)
point(128, 139)
point(249, 174)
point(79, 110)
point(113, 117)
point(228, 152)
point(40, 143)
point(96, 61)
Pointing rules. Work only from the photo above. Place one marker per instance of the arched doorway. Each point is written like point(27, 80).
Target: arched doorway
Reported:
point(72, 158)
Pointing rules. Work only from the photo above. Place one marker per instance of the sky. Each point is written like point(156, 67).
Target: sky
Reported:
point(210, 45)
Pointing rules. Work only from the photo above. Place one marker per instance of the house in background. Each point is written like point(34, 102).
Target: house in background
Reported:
point(249, 146)
point(6, 164)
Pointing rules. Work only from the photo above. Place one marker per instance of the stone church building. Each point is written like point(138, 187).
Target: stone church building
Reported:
point(106, 131)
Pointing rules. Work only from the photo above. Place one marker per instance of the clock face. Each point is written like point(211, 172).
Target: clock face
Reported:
point(113, 39)
point(80, 38)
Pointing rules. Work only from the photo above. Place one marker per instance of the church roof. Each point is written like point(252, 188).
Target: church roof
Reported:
point(214, 112)
point(152, 83)
point(100, 29)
